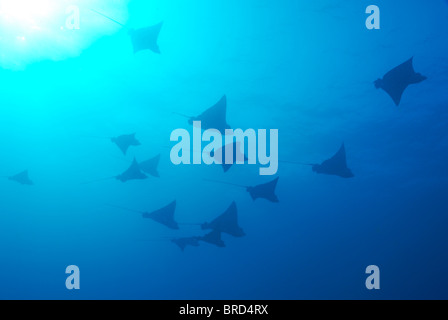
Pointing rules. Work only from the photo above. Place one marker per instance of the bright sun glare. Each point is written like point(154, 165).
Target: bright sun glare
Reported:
point(37, 30)
point(25, 11)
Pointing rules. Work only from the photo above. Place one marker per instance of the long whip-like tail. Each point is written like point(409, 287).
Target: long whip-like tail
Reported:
point(107, 17)
point(124, 208)
point(182, 115)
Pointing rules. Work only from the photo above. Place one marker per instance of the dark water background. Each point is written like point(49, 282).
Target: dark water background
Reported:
point(303, 67)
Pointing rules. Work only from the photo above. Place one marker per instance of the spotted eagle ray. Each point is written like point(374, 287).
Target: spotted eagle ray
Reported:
point(164, 216)
point(124, 142)
point(182, 243)
point(143, 38)
point(22, 178)
point(220, 155)
point(212, 118)
point(335, 166)
point(261, 191)
point(226, 222)
point(150, 166)
point(213, 238)
point(132, 173)
point(398, 79)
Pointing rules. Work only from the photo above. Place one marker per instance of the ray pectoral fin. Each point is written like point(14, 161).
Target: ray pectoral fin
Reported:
point(396, 94)
point(394, 90)
point(419, 78)
point(215, 116)
point(252, 194)
point(156, 49)
point(378, 83)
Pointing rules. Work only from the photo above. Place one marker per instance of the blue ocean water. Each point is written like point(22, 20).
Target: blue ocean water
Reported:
point(305, 68)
